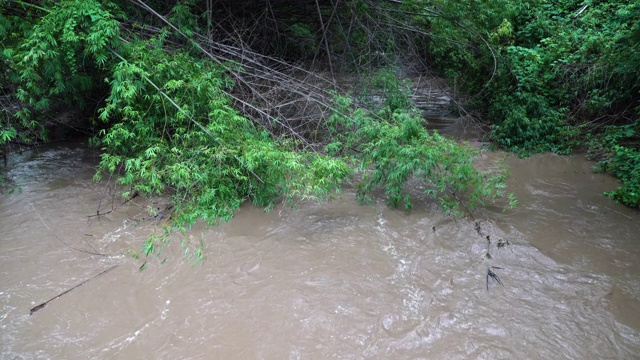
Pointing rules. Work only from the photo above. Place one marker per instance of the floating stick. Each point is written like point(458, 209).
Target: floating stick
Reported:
point(36, 308)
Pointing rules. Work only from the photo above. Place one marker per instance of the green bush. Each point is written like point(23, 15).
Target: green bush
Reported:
point(617, 148)
point(55, 55)
point(625, 164)
point(539, 70)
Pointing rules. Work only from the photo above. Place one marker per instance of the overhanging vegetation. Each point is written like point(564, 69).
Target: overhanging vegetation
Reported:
point(221, 102)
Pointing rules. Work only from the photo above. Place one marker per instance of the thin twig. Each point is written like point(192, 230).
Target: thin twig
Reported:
point(62, 241)
point(619, 213)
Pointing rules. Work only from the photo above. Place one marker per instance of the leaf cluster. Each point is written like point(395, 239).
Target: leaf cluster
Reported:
point(395, 151)
point(47, 49)
point(186, 137)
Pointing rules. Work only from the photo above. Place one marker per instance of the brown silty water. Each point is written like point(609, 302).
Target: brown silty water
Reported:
point(336, 280)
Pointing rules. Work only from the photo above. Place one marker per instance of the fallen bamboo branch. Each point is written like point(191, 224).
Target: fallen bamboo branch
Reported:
point(36, 308)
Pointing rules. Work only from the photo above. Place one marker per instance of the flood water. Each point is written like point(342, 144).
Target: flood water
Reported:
point(336, 280)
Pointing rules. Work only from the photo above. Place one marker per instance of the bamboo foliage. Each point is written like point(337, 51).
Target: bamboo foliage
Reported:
point(219, 103)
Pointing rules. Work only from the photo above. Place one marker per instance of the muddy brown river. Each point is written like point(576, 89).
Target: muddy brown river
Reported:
point(323, 281)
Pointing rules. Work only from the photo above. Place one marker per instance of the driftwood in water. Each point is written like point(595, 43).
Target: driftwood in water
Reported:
point(36, 308)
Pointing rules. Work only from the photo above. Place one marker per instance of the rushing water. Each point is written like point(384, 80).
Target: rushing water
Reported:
point(336, 280)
